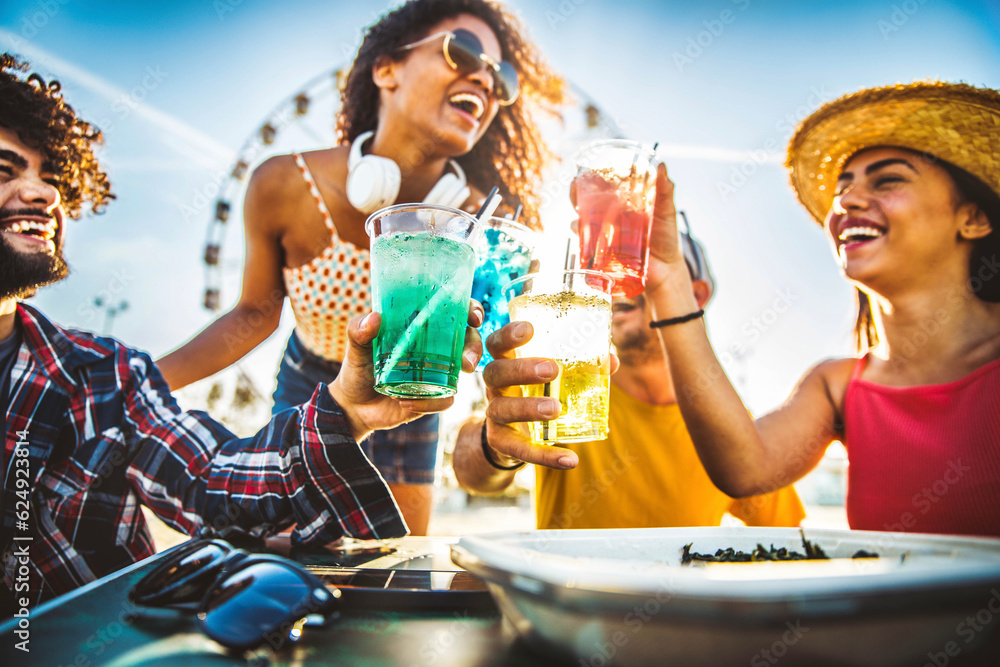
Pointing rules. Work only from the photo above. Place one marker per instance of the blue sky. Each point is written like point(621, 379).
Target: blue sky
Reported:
point(179, 88)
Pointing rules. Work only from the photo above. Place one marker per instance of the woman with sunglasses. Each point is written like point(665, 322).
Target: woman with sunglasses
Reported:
point(433, 110)
point(906, 183)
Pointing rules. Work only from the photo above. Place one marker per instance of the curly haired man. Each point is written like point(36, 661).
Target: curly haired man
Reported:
point(92, 431)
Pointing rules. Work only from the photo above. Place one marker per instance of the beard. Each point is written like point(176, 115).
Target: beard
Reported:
point(21, 273)
point(637, 344)
point(634, 338)
point(637, 347)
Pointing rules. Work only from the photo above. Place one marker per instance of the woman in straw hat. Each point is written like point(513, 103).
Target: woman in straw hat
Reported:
point(906, 181)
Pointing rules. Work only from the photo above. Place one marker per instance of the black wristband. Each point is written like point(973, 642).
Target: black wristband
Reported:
point(489, 457)
point(677, 320)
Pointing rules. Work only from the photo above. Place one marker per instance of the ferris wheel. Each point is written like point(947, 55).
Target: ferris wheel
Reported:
point(304, 120)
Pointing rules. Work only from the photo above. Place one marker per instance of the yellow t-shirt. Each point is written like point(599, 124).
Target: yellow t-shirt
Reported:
point(647, 474)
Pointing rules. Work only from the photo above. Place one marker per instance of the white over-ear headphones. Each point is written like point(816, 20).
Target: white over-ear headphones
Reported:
point(373, 181)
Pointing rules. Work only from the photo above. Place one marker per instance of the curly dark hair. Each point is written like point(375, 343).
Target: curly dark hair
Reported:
point(511, 153)
point(36, 111)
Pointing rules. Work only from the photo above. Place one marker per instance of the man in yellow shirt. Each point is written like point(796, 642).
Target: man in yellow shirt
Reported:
point(646, 473)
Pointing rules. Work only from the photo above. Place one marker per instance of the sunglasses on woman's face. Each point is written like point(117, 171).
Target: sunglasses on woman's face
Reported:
point(241, 599)
point(465, 54)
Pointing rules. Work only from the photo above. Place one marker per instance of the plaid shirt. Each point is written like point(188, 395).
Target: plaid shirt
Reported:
point(105, 436)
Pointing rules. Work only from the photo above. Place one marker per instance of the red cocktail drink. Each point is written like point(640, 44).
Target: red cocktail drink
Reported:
point(615, 188)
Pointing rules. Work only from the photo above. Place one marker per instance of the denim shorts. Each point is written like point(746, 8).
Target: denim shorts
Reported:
point(406, 454)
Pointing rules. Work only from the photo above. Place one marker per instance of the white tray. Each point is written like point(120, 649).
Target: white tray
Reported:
point(622, 596)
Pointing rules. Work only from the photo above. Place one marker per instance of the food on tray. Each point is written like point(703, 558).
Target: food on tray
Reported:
point(760, 554)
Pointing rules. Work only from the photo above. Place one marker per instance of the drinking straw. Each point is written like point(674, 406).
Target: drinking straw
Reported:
point(489, 204)
point(635, 166)
point(546, 425)
point(517, 212)
point(568, 265)
point(645, 179)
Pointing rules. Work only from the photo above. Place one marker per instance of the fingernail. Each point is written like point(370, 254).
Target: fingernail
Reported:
point(405, 405)
point(566, 461)
point(546, 368)
point(471, 358)
point(364, 321)
point(520, 330)
point(550, 408)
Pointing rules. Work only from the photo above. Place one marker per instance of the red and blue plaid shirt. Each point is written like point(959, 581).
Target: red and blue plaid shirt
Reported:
point(105, 436)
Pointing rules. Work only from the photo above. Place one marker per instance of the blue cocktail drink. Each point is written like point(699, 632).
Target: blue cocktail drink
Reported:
point(503, 254)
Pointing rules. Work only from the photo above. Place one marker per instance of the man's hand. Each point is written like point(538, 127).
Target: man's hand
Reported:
point(508, 409)
point(353, 389)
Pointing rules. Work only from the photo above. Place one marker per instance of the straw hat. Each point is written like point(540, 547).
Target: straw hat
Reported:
point(956, 122)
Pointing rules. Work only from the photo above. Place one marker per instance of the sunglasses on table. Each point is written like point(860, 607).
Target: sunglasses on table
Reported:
point(241, 599)
point(465, 54)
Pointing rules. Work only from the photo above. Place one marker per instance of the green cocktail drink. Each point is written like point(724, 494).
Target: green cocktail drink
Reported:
point(422, 267)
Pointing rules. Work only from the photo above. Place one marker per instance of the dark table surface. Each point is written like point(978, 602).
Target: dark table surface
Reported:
point(97, 625)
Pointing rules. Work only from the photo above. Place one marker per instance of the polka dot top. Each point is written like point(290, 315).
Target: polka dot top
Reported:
point(331, 289)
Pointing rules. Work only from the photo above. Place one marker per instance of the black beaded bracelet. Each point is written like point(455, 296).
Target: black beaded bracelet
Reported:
point(677, 320)
point(489, 457)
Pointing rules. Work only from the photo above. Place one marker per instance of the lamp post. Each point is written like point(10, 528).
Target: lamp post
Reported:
point(110, 310)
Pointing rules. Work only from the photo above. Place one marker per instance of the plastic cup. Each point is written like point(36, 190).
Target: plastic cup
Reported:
point(615, 188)
point(503, 254)
point(422, 259)
point(571, 315)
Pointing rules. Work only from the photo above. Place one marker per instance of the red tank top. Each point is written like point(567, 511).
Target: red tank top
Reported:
point(924, 459)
